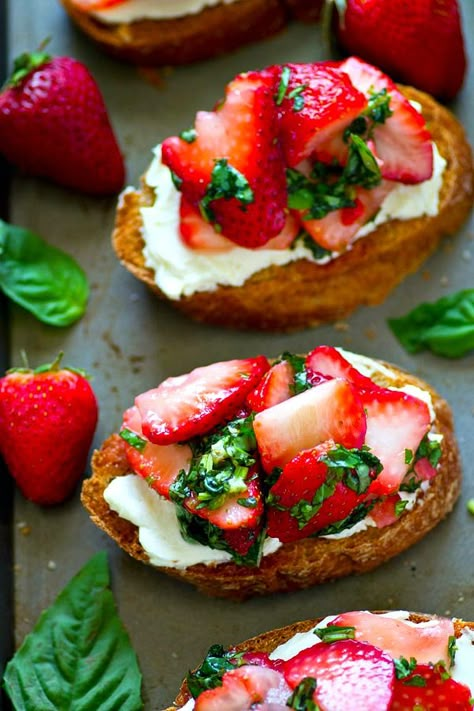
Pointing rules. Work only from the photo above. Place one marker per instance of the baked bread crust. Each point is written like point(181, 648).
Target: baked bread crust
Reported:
point(268, 641)
point(302, 294)
point(306, 562)
point(191, 38)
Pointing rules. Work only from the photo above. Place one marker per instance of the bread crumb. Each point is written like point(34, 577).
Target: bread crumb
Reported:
point(461, 597)
point(24, 528)
point(426, 275)
point(447, 612)
point(466, 255)
point(341, 326)
point(51, 565)
point(370, 333)
point(444, 281)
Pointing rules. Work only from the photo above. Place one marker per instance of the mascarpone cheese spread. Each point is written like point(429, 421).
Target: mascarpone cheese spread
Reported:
point(155, 517)
point(180, 271)
point(154, 9)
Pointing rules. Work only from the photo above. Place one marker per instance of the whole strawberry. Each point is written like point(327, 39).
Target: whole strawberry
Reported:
point(47, 420)
point(418, 42)
point(54, 124)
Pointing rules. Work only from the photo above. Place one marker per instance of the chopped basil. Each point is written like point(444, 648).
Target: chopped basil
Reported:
point(470, 506)
point(415, 680)
point(446, 326)
point(297, 362)
point(189, 135)
point(220, 465)
point(408, 456)
point(133, 439)
point(302, 697)
point(429, 449)
point(209, 675)
point(226, 183)
point(410, 485)
point(297, 95)
point(283, 85)
point(452, 649)
point(403, 667)
point(355, 467)
point(377, 112)
point(361, 167)
point(334, 633)
point(317, 251)
point(400, 507)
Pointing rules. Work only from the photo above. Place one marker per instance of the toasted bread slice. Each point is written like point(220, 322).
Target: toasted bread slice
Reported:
point(213, 31)
point(269, 641)
point(305, 562)
point(303, 293)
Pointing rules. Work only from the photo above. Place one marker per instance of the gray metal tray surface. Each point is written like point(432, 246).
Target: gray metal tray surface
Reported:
point(130, 341)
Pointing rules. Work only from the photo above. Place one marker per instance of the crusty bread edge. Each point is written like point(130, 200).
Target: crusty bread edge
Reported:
point(302, 294)
point(268, 641)
point(208, 33)
point(306, 562)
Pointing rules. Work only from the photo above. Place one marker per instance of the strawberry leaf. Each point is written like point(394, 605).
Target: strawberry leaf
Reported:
point(43, 279)
point(445, 326)
point(78, 656)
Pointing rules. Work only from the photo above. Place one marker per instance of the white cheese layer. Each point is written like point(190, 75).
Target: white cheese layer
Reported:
point(155, 517)
point(154, 9)
point(180, 271)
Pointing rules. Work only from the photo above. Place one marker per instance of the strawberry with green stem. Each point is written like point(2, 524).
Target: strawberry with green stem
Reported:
point(47, 420)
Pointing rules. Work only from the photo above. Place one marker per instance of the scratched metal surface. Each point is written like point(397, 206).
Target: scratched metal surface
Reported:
point(129, 342)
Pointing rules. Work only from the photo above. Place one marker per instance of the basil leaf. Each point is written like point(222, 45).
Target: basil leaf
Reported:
point(43, 279)
point(445, 326)
point(209, 675)
point(78, 656)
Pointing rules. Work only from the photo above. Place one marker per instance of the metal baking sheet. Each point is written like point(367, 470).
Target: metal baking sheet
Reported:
point(129, 341)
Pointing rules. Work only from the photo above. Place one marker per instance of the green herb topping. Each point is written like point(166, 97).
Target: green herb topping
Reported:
point(356, 467)
point(297, 362)
point(403, 667)
point(226, 183)
point(334, 633)
point(415, 680)
point(400, 507)
point(283, 85)
point(302, 696)
point(452, 649)
point(209, 675)
point(133, 438)
point(307, 241)
point(377, 112)
point(189, 135)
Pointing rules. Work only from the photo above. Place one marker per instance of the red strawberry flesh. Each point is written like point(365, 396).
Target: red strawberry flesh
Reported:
point(430, 690)
point(349, 675)
point(193, 404)
point(275, 387)
point(328, 361)
point(396, 424)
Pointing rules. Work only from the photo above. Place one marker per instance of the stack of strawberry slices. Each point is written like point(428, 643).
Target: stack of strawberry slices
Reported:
point(305, 446)
point(298, 151)
point(358, 660)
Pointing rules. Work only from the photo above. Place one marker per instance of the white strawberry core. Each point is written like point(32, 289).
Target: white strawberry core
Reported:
point(181, 271)
point(132, 10)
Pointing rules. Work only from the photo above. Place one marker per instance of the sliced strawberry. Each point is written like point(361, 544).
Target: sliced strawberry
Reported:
point(403, 142)
point(239, 136)
point(338, 228)
point(332, 410)
point(319, 103)
point(384, 512)
point(274, 387)
point(243, 688)
point(426, 643)
point(424, 469)
point(349, 675)
point(430, 689)
point(197, 233)
point(261, 659)
point(291, 498)
point(287, 236)
point(327, 361)
point(396, 424)
point(192, 404)
point(231, 514)
point(158, 465)
point(90, 5)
